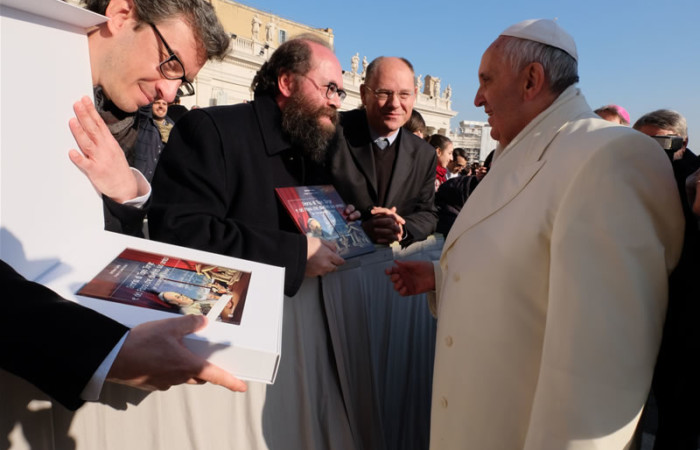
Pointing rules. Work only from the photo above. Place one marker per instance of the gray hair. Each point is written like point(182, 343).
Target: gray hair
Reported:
point(200, 14)
point(372, 67)
point(560, 68)
point(665, 119)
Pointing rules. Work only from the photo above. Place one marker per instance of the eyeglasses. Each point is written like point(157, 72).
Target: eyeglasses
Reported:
point(332, 89)
point(173, 69)
point(383, 95)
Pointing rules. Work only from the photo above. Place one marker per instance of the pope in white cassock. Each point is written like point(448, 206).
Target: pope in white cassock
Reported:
point(551, 289)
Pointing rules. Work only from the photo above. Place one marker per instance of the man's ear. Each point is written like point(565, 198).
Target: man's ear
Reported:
point(534, 80)
point(118, 12)
point(363, 90)
point(285, 84)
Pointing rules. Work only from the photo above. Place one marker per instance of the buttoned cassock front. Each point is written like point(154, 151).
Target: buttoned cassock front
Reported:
point(552, 287)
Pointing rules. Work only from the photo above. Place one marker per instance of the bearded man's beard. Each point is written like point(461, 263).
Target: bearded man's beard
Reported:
point(300, 124)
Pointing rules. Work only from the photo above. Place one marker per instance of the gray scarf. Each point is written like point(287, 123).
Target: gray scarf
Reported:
point(122, 125)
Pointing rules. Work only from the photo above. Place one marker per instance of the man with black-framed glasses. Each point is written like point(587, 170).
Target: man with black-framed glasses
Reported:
point(65, 349)
point(139, 55)
point(386, 172)
point(172, 68)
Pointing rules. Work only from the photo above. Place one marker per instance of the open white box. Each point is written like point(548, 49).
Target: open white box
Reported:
point(250, 350)
point(50, 215)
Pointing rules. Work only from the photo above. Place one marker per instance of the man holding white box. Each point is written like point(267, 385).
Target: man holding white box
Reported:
point(77, 348)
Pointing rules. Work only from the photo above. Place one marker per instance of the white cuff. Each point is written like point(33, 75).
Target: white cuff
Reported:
point(143, 190)
point(92, 390)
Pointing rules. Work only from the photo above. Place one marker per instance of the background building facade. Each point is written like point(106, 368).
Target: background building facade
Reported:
point(255, 34)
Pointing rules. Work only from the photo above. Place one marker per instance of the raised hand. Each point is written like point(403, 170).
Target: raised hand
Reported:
point(100, 156)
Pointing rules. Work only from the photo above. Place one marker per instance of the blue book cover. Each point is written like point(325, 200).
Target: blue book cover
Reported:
point(319, 211)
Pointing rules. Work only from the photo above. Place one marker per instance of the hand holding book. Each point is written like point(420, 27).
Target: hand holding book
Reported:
point(154, 358)
point(321, 257)
point(319, 212)
point(351, 214)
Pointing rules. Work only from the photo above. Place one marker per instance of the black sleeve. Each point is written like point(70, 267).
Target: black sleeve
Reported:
point(51, 342)
point(206, 196)
point(421, 222)
point(449, 200)
point(124, 219)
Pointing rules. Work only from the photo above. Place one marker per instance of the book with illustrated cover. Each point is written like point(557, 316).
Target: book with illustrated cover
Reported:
point(134, 281)
point(171, 284)
point(319, 211)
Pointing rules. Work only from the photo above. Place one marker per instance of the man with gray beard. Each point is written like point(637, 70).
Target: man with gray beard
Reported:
point(214, 188)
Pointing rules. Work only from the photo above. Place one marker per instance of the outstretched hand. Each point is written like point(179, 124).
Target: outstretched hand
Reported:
point(153, 357)
point(100, 156)
point(412, 277)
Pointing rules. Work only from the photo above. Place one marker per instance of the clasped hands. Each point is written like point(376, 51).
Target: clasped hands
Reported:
point(385, 226)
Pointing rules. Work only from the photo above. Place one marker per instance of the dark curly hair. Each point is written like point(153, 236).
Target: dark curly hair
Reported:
point(200, 14)
point(293, 56)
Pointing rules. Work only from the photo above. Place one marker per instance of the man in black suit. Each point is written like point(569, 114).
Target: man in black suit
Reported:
point(76, 349)
point(388, 174)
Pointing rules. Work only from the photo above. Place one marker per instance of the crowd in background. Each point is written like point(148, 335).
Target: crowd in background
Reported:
point(213, 172)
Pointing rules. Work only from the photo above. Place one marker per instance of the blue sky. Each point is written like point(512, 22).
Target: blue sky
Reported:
point(642, 54)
